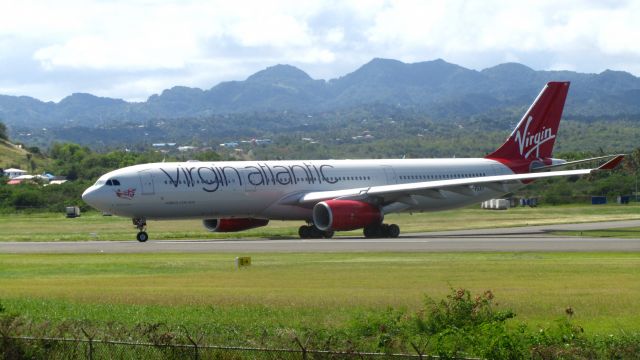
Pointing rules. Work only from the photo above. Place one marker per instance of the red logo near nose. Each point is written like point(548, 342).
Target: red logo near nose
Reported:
point(126, 194)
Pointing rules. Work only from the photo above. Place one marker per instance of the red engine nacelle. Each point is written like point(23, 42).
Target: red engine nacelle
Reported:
point(233, 225)
point(344, 215)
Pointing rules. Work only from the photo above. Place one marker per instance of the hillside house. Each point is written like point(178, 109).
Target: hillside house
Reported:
point(13, 173)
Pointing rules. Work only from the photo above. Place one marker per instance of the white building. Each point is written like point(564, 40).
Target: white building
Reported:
point(12, 173)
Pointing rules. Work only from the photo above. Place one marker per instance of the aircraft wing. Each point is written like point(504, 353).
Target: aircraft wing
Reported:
point(386, 194)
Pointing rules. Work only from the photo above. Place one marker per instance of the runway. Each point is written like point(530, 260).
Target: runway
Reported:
point(529, 238)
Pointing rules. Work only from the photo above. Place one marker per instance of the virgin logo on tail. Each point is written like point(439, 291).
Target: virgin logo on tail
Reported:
point(534, 136)
point(532, 142)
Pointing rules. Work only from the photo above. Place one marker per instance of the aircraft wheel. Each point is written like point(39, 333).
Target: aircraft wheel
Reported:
point(371, 231)
point(315, 233)
point(328, 234)
point(142, 236)
point(304, 231)
point(393, 231)
point(384, 230)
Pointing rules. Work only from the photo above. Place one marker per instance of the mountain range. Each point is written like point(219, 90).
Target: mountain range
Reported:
point(436, 88)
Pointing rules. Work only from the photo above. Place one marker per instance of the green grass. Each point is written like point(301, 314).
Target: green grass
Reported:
point(93, 226)
point(312, 292)
point(284, 294)
point(10, 156)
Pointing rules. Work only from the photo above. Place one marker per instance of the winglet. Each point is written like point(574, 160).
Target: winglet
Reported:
point(611, 164)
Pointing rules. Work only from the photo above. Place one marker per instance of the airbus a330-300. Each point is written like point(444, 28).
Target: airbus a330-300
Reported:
point(337, 195)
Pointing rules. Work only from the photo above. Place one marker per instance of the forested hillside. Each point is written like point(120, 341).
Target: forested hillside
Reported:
point(82, 165)
point(283, 99)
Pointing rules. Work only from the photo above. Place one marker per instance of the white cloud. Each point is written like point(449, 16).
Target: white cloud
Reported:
point(134, 48)
point(334, 36)
point(460, 29)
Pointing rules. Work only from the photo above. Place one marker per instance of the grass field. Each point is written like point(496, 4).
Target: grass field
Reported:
point(312, 292)
point(93, 226)
point(306, 294)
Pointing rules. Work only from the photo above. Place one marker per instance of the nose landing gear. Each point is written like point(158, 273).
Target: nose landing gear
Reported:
point(141, 225)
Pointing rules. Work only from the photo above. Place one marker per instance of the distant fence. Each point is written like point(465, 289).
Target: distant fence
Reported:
point(61, 348)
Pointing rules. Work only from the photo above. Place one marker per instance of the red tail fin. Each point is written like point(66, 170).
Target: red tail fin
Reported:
point(535, 134)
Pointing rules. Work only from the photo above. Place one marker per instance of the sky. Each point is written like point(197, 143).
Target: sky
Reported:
point(133, 49)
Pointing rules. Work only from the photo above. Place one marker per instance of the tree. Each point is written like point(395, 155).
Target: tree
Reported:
point(27, 197)
point(3, 131)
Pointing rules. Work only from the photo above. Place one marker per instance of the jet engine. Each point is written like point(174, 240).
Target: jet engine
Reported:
point(233, 225)
point(342, 215)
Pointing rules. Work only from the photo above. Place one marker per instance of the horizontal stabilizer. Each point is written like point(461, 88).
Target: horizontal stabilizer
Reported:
point(611, 164)
point(572, 163)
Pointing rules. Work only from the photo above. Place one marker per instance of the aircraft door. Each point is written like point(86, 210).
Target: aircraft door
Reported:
point(146, 181)
point(390, 174)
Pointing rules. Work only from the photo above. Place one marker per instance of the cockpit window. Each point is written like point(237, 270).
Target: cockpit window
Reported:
point(109, 182)
point(113, 182)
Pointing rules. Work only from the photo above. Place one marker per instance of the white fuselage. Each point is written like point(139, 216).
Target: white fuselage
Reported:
point(258, 189)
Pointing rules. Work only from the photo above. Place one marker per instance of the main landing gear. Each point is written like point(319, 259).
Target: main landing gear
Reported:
point(381, 231)
point(370, 231)
point(312, 232)
point(141, 225)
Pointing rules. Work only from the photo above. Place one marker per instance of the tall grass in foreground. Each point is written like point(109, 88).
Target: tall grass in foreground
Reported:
point(460, 325)
point(302, 289)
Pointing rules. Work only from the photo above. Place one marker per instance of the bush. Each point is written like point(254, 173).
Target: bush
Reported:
point(26, 196)
point(461, 325)
point(457, 325)
point(459, 310)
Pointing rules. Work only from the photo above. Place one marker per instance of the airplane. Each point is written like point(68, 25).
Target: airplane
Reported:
point(337, 195)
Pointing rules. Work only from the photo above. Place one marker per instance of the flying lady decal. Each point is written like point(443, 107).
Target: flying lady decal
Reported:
point(126, 194)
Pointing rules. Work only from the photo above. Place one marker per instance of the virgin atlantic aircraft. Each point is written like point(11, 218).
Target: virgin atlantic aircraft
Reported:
point(337, 195)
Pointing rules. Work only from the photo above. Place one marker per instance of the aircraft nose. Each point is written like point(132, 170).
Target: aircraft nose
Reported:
point(89, 196)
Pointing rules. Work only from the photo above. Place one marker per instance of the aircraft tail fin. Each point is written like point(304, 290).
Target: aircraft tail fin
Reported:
point(534, 136)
